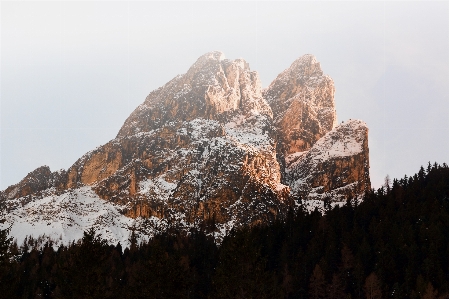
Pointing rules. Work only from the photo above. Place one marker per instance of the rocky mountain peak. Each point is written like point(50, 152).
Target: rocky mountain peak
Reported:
point(302, 99)
point(208, 149)
point(212, 86)
point(305, 67)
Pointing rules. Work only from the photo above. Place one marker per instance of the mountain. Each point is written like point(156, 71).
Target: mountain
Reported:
point(210, 149)
point(319, 160)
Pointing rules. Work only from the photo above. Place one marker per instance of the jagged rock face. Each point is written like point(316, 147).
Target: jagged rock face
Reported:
point(212, 86)
point(198, 169)
point(192, 150)
point(208, 149)
point(335, 168)
point(302, 99)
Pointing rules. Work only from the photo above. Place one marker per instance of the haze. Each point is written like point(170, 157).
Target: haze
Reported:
point(72, 72)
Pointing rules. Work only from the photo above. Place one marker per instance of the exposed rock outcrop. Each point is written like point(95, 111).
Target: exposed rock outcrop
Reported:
point(336, 168)
point(212, 86)
point(36, 181)
point(302, 99)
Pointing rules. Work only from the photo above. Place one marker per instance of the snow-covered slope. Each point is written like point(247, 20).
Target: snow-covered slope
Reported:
point(63, 218)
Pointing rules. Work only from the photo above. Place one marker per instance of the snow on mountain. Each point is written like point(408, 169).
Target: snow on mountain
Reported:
point(335, 168)
point(63, 218)
point(207, 150)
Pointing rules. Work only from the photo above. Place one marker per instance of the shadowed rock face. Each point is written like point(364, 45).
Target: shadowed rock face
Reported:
point(38, 180)
point(210, 149)
point(335, 168)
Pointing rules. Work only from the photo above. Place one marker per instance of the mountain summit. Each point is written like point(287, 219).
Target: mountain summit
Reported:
point(211, 150)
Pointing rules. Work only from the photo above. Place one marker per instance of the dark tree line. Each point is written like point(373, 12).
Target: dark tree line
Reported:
point(395, 244)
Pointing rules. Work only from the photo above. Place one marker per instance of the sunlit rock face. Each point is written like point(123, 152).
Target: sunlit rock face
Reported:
point(302, 100)
point(318, 159)
point(211, 87)
point(208, 150)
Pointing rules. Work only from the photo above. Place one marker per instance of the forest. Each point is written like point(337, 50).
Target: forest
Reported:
point(393, 244)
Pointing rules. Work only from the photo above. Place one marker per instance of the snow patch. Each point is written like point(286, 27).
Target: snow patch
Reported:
point(158, 186)
point(64, 218)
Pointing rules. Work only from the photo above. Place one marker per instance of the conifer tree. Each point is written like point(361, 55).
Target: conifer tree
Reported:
point(430, 292)
point(5, 243)
point(372, 287)
point(6, 279)
point(317, 285)
point(336, 289)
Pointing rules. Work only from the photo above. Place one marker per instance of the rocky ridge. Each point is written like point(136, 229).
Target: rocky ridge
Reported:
point(209, 149)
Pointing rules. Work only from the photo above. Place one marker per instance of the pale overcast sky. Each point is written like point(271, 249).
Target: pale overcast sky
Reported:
point(71, 72)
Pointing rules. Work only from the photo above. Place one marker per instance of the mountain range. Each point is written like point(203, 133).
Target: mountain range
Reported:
point(211, 149)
